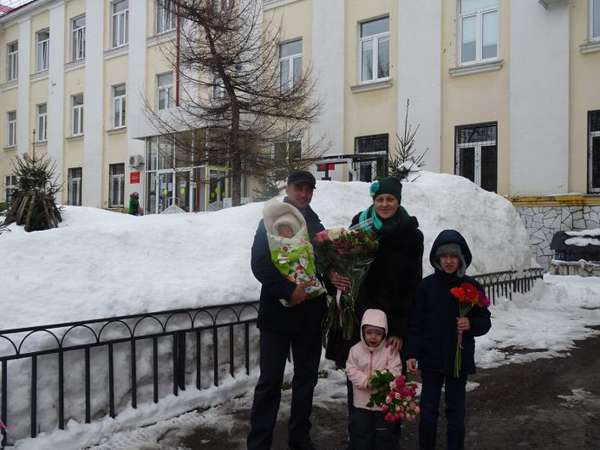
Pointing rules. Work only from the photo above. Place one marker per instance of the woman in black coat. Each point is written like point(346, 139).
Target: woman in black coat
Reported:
point(393, 277)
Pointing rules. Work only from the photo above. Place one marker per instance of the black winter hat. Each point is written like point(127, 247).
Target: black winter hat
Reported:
point(388, 185)
point(301, 177)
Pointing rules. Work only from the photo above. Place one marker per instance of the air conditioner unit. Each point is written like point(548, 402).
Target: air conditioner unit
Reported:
point(136, 160)
point(549, 4)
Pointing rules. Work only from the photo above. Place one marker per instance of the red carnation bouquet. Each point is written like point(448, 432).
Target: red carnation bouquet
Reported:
point(468, 296)
point(397, 398)
point(349, 253)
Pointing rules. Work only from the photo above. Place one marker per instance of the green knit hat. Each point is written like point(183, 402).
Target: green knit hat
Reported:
point(388, 185)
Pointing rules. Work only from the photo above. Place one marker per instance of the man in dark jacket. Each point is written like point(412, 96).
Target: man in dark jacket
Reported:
point(280, 327)
point(433, 336)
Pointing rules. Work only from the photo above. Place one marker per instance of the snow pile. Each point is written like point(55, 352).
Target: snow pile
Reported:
point(543, 323)
point(582, 241)
point(592, 232)
point(100, 263)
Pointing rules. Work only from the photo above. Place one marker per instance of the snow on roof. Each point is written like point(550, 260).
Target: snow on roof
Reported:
point(591, 232)
point(100, 263)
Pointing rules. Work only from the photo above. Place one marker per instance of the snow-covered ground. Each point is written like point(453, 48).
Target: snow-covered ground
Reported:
point(543, 323)
point(100, 263)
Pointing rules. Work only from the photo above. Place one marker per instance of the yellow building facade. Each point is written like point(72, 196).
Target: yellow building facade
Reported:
point(506, 92)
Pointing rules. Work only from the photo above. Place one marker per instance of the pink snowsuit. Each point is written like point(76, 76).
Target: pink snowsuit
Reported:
point(363, 360)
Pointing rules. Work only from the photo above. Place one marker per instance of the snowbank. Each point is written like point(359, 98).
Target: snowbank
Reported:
point(100, 263)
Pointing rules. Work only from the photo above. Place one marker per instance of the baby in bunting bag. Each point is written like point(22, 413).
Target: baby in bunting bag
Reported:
point(291, 251)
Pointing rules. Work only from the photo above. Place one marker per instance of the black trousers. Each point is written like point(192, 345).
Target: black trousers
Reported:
point(455, 409)
point(370, 431)
point(274, 349)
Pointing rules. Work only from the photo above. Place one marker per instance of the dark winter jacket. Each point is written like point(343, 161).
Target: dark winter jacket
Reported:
point(433, 336)
point(272, 315)
point(390, 284)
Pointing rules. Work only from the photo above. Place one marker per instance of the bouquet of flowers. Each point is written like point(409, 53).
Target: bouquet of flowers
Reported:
point(349, 253)
point(468, 296)
point(397, 397)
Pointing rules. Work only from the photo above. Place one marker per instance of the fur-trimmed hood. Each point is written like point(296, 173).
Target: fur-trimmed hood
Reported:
point(275, 210)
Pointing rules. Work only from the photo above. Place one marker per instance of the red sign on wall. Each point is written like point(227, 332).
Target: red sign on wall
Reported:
point(134, 178)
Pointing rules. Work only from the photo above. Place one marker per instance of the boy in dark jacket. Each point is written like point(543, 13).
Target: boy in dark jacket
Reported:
point(432, 339)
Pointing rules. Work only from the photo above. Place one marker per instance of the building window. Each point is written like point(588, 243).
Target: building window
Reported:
point(476, 155)
point(289, 151)
point(594, 151)
point(119, 105)
point(12, 61)
point(290, 64)
point(120, 22)
point(478, 30)
point(595, 20)
point(10, 187)
point(371, 153)
point(116, 185)
point(375, 49)
point(42, 50)
point(74, 186)
point(218, 90)
point(165, 16)
point(42, 123)
point(11, 128)
point(164, 83)
point(78, 38)
point(77, 114)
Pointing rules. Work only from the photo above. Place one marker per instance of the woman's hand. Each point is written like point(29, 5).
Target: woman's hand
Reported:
point(340, 282)
point(395, 342)
point(298, 295)
point(411, 365)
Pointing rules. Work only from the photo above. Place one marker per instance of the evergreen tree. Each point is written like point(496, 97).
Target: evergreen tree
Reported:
point(406, 160)
point(33, 203)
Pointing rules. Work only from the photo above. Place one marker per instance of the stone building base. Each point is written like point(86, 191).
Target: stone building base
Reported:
point(544, 216)
point(582, 268)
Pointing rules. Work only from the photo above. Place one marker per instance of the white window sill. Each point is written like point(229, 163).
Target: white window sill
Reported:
point(39, 75)
point(160, 38)
point(118, 130)
point(42, 143)
point(470, 69)
point(590, 47)
point(74, 65)
point(116, 51)
point(10, 147)
point(366, 86)
point(10, 85)
point(75, 137)
point(269, 4)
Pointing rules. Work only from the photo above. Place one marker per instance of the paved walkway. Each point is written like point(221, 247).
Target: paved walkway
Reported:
point(547, 404)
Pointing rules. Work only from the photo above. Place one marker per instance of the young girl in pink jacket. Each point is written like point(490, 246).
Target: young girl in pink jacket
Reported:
point(368, 429)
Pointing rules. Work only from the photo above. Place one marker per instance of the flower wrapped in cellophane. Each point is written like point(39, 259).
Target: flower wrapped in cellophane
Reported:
point(350, 254)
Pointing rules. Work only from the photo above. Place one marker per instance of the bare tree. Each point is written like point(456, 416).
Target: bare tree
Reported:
point(232, 103)
point(406, 160)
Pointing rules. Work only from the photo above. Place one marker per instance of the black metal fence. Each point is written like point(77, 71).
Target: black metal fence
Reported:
point(165, 349)
point(503, 284)
point(205, 344)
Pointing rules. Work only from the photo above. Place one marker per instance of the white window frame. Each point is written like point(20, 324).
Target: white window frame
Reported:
point(291, 60)
point(376, 38)
point(42, 55)
point(288, 156)
point(12, 61)
point(477, 157)
point(166, 19)
point(74, 187)
point(167, 89)
point(119, 23)
point(478, 34)
point(78, 40)
point(120, 181)
point(594, 34)
point(42, 124)
point(77, 116)
point(119, 109)
point(10, 185)
point(11, 129)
